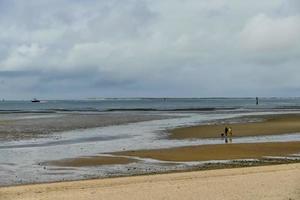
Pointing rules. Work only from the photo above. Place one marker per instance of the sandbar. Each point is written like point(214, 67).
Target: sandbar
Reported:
point(270, 125)
point(218, 151)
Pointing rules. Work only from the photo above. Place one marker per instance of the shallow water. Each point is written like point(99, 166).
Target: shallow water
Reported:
point(19, 160)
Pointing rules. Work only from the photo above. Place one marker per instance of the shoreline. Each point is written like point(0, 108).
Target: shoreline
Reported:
point(209, 166)
point(281, 182)
point(129, 166)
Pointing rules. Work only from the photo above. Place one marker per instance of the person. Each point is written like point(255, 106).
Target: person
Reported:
point(230, 132)
point(256, 100)
point(229, 135)
point(226, 131)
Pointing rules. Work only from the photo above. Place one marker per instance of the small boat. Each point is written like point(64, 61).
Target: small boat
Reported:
point(35, 100)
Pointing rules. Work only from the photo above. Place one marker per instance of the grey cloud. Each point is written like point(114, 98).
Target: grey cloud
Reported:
point(67, 48)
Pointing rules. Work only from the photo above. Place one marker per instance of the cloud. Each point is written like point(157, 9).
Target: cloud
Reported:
point(264, 33)
point(76, 48)
point(22, 57)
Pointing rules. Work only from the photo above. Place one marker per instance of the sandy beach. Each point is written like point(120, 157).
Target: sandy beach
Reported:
point(149, 99)
point(218, 152)
point(121, 161)
point(277, 182)
point(212, 152)
point(269, 125)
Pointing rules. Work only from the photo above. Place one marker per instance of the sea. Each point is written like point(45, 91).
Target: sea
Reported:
point(20, 160)
point(149, 104)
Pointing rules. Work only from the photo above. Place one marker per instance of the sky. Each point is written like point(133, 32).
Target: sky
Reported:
point(76, 49)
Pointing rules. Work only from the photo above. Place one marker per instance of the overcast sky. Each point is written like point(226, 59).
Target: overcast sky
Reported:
point(70, 49)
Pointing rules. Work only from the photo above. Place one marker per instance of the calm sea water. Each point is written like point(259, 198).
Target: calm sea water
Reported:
point(150, 104)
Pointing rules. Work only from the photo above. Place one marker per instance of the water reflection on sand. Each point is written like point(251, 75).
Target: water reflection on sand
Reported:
point(24, 156)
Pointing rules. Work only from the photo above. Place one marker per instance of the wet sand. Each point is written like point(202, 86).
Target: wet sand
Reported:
point(282, 124)
point(271, 125)
point(89, 161)
point(275, 182)
point(218, 152)
point(27, 126)
point(228, 151)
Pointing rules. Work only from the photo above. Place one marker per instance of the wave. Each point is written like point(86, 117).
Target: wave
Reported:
point(172, 109)
point(287, 107)
point(57, 110)
point(25, 111)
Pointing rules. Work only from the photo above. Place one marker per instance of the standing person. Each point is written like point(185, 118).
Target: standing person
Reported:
point(226, 131)
point(256, 100)
point(230, 132)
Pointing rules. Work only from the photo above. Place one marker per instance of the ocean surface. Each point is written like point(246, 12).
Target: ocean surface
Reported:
point(20, 159)
point(154, 104)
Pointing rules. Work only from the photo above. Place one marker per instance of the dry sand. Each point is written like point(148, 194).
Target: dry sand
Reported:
point(272, 125)
point(218, 151)
point(277, 182)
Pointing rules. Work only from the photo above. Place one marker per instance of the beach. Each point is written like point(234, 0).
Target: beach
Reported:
point(276, 182)
point(22, 126)
point(219, 152)
point(268, 125)
point(50, 155)
point(140, 143)
point(229, 150)
point(262, 125)
point(142, 99)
